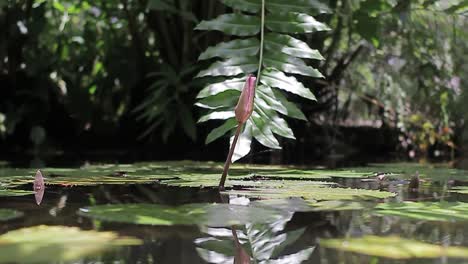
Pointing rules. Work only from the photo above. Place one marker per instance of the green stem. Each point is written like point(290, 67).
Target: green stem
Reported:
point(229, 157)
point(262, 36)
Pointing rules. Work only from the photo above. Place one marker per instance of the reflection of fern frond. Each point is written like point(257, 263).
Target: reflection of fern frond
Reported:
point(264, 243)
point(268, 50)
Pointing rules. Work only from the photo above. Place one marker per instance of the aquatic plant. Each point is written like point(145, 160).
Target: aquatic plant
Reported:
point(269, 51)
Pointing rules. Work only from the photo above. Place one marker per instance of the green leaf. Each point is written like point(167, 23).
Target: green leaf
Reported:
point(293, 23)
point(231, 49)
point(54, 244)
point(394, 247)
point(277, 79)
point(286, 44)
point(301, 6)
point(243, 143)
point(9, 214)
point(216, 215)
point(252, 6)
point(261, 131)
point(289, 64)
point(278, 124)
point(217, 115)
point(227, 99)
point(11, 192)
point(292, 109)
point(233, 24)
point(221, 130)
point(215, 88)
point(231, 67)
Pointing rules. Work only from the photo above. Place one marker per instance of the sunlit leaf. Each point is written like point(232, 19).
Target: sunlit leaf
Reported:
point(289, 64)
point(231, 49)
point(223, 115)
point(232, 24)
point(294, 23)
point(231, 67)
point(231, 84)
point(288, 45)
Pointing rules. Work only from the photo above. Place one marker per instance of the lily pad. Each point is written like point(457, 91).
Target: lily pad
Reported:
point(9, 214)
point(460, 189)
point(394, 247)
point(50, 244)
point(216, 215)
point(429, 211)
point(340, 205)
point(434, 172)
point(312, 192)
point(13, 192)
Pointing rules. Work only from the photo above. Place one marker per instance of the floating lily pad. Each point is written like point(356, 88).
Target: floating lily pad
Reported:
point(50, 244)
point(9, 214)
point(340, 205)
point(461, 189)
point(434, 172)
point(216, 215)
point(13, 192)
point(311, 191)
point(429, 211)
point(394, 247)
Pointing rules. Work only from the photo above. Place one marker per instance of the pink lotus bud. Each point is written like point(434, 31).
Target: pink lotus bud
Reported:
point(245, 105)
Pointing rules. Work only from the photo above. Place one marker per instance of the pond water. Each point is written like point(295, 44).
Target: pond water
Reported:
point(171, 213)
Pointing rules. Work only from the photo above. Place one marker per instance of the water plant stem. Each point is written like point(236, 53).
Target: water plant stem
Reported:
point(229, 157)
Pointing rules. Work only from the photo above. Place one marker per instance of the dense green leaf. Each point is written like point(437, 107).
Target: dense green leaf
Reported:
point(301, 6)
point(394, 247)
point(277, 79)
point(286, 44)
point(225, 99)
point(54, 244)
point(252, 6)
point(217, 115)
point(231, 67)
point(279, 103)
point(289, 64)
point(233, 24)
point(221, 130)
point(293, 23)
point(291, 109)
point(215, 88)
point(261, 131)
point(234, 48)
point(278, 124)
point(216, 215)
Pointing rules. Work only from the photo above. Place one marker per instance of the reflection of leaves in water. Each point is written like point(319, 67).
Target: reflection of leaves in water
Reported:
point(47, 244)
point(8, 214)
point(265, 243)
point(189, 214)
point(393, 247)
point(429, 211)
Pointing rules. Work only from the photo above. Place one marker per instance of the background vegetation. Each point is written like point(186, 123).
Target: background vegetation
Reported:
point(81, 76)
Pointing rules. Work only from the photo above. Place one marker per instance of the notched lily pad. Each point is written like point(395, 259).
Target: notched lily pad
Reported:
point(50, 244)
point(429, 211)
point(9, 214)
point(393, 247)
point(216, 215)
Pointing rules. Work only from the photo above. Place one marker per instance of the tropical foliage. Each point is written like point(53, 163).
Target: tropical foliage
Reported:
point(265, 46)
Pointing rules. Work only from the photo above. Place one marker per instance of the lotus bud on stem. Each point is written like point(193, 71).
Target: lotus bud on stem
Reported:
point(243, 111)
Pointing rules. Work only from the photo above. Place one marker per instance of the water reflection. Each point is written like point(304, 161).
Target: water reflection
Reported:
point(252, 243)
